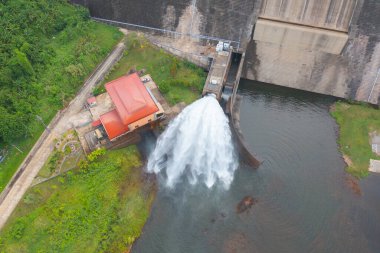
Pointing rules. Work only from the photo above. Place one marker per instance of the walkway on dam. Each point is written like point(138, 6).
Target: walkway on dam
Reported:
point(63, 121)
point(217, 75)
point(224, 75)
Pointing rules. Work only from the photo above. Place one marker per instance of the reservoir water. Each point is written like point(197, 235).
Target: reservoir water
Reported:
point(304, 203)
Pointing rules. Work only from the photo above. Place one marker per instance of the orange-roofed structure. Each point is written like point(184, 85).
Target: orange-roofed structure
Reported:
point(131, 98)
point(133, 106)
point(113, 125)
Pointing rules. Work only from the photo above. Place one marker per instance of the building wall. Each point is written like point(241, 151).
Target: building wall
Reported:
point(141, 122)
point(147, 120)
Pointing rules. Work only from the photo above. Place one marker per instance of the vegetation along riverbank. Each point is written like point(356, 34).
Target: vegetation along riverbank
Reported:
point(47, 49)
point(356, 123)
point(101, 206)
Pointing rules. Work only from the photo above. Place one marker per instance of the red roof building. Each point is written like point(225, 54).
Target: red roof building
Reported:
point(133, 103)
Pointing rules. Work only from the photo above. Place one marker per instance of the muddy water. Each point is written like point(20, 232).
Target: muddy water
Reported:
point(302, 200)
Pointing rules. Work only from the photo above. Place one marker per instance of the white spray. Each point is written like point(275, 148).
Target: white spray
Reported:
point(197, 144)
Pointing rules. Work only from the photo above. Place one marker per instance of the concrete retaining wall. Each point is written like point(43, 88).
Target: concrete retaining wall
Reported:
point(224, 19)
point(199, 60)
point(330, 14)
point(298, 36)
point(298, 61)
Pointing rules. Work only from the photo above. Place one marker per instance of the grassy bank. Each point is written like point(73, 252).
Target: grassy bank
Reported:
point(70, 54)
point(355, 122)
point(178, 80)
point(99, 207)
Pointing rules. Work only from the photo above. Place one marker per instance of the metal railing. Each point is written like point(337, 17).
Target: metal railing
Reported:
point(191, 35)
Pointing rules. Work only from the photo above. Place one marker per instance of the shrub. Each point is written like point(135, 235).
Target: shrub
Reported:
point(173, 69)
point(164, 86)
point(67, 150)
point(133, 42)
point(29, 198)
point(99, 90)
point(94, 155)
point(83, 165)
point(75, 70)
point(55, 159)
point(18, 229)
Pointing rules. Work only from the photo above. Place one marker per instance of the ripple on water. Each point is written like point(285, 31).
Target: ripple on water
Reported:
point(295, 136)
point(303, 202)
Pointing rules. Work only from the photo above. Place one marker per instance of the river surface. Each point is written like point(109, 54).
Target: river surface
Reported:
point(304, 201)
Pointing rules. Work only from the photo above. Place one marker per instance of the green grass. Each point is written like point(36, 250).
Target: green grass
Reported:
point(46, 170)
point(71, 161)
point(99, 208)
point(82, 48)
point(356, 121)
point(178, 80)
point(60, 158)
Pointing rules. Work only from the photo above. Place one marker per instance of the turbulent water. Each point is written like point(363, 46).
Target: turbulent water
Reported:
point(196, 147)
point(304, 201)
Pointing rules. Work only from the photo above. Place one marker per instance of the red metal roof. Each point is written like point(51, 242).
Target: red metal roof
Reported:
point(131, 99)
point(112, 124)
point(91, 100)
point(96, 123)
point(132, 102)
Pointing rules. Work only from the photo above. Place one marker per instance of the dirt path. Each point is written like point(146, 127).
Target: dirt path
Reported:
point(72, 116)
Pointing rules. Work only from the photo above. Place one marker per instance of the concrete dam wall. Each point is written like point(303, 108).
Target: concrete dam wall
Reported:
point(325, 46)
point(224, 19)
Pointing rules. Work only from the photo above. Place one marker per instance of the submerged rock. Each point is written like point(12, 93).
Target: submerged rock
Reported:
point(245, 204)
point(353, 184)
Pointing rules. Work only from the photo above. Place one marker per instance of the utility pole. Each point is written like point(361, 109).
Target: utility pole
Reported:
point(39, 118)
point(17, 148)
point(27, 129)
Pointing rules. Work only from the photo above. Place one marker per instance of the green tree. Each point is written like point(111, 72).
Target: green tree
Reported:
point(20, 64)
point(10, 126)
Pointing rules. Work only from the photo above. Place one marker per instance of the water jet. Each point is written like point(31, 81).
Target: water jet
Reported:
point(196, 146)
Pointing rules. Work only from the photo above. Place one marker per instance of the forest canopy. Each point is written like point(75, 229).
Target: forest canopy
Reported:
point(40, 65)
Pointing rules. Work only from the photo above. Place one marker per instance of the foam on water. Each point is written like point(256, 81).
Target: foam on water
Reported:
point(197, 145)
